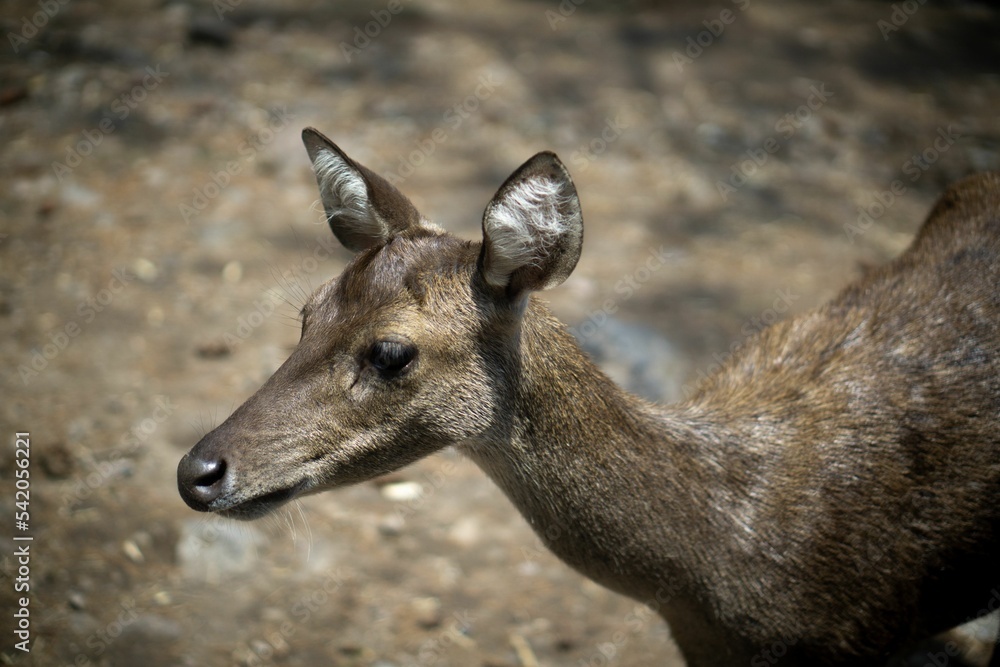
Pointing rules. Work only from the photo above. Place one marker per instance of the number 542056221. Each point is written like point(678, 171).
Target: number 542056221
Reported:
point(22, 496)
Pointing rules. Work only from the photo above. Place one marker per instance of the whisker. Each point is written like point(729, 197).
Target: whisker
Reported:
point(289, 522)
point(308, 529)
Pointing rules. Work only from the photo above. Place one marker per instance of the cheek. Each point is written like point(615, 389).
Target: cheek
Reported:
point(338, 398)
point(457, 409)
point(373, 401)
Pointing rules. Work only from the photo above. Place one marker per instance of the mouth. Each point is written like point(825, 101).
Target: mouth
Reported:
point(255, 508)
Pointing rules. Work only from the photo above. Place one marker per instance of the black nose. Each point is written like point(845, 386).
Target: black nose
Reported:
point(200, 480)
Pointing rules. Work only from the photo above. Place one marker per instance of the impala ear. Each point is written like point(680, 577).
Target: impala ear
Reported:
point(532, 228)
point(362, 208)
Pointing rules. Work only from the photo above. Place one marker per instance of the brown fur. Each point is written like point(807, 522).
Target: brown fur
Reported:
point(833, 488)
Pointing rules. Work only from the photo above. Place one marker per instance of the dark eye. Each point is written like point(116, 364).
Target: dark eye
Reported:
point(390, 357)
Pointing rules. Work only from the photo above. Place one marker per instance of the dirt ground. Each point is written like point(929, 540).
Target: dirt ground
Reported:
point(160, 232)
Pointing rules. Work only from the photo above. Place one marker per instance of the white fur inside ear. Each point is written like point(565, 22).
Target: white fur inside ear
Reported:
point(344, 194)
point(526, 223)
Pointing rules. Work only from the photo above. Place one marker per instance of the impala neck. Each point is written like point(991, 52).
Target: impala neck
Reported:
point(618, 488)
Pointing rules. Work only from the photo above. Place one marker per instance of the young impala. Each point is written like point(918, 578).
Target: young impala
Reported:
point(834, 488)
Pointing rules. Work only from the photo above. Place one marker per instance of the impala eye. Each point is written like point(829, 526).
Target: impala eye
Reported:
point(390, 358)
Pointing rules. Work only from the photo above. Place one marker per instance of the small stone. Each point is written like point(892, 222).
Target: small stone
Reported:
point(13, 94)
point(56, 461)
point(145, 270)
point(210, 32)
point(76, 600)
point(465, 532)
point(132, 551)
point(565, 644)
point(391, 525)
point(402, 491)
point(232, 272)
point(353, 650)
point(528, 568)
point(261, 647)
point(427, 612)
point(214, 349)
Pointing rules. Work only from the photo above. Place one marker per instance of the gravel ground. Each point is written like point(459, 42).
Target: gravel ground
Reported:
point(160, 231)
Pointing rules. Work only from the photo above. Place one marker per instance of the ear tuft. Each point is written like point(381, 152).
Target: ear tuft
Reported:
point(362, 208)
point(533, 228)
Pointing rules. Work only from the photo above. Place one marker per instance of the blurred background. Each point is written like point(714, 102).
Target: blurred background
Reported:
point(738, 161)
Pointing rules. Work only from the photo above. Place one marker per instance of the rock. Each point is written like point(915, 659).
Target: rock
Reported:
point(145, 270)
point(13, 94)
point(427, 612)
point(211, 32)
point(213, 349)
point(132, 551)
point(76, 600)
point(402, 491)
point(466, 532)
point(391, 525)
point(56, 461)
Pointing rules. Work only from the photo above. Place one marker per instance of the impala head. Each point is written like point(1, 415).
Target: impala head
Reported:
point(410, 350)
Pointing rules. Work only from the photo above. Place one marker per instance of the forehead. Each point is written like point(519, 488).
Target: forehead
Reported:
point(404, 270)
